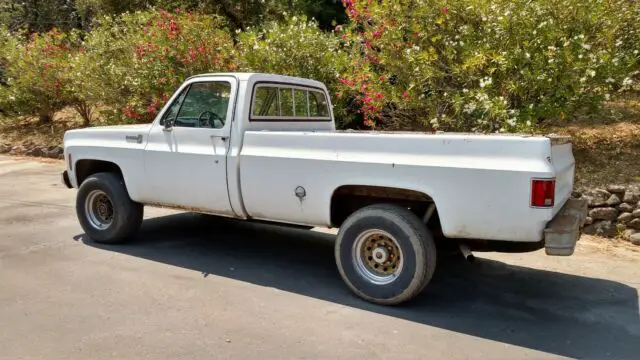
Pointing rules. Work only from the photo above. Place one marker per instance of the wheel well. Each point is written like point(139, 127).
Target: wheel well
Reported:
point(86, 168)
point(349, 198)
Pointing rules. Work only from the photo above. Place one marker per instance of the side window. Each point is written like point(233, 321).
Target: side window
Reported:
point(172, 112)
point(300, 100)
point(318, 106)
point(282, 102)
point(265, 102)
point(205, 105)
point(286, 102)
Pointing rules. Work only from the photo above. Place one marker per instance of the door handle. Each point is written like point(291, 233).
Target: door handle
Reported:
point(223, 137)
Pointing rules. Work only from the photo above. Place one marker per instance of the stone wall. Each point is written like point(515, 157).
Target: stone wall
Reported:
point(614, 211)
point(27, 149)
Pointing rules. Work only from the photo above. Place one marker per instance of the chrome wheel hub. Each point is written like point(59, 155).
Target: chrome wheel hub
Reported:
point(377, 256)
point(99, 209)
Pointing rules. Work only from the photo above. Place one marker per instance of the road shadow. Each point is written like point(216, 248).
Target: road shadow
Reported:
point(567, 315)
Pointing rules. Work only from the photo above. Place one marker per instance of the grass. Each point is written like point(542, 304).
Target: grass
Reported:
point(606, 145)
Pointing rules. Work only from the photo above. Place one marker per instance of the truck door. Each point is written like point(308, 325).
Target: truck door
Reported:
point(185, 162)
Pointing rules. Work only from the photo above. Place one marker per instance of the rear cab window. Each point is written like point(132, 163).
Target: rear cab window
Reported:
point(288, 102)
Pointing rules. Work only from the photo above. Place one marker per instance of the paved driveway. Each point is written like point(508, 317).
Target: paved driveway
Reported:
point(195, 287)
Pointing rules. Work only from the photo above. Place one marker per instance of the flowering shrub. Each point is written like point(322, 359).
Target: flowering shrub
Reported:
point(33, 74)
point(296, 47)
point(485, 65)
point(136, 61)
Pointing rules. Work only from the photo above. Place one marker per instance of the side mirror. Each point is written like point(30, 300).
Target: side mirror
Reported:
point(168, 124)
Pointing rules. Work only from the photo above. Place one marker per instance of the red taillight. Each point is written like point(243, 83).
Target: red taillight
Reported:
point(543, 192)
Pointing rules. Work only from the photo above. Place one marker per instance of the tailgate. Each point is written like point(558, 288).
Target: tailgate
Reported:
point(564, 166)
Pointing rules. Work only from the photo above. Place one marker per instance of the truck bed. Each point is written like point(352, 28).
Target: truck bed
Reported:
point(480, 184)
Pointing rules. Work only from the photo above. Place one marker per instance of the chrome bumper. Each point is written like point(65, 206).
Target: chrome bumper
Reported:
point(563, 232)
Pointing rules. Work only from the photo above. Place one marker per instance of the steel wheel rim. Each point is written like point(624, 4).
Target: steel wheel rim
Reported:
point(99, 209)
point(377, 247)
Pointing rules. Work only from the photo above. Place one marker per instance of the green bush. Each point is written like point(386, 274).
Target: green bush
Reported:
point(486, 65)
point(136, 61)
point(34, 74)
point(296, 47)
point(463, 65)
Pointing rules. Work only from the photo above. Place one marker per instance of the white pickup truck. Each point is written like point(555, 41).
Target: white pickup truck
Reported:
point(264, 147)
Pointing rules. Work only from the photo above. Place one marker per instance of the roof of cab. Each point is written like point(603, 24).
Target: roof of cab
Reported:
point(245, 76)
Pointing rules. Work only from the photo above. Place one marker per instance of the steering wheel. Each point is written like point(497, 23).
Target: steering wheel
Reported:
point(208, 122)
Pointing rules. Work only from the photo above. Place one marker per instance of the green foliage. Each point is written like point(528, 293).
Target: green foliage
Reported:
point(469, 65)
point(486, 65)
point(33, 72)
point(38, 15)
point(134, 62)
point(295, 47)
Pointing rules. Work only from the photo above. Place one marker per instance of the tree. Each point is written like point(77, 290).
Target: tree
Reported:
point(39, 15)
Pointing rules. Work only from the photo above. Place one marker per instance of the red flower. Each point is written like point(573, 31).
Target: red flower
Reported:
point(405, 95)
point(445, 10)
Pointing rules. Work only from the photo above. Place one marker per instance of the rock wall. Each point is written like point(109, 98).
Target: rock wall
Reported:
point(54, 152)
point(614, 211)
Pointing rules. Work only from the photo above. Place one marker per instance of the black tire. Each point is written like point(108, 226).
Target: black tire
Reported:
point(414, 241)
point(126, 214)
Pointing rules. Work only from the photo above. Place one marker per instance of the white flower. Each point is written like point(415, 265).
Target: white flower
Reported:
point(627, 81)
point(607, 97)
point(586, 46)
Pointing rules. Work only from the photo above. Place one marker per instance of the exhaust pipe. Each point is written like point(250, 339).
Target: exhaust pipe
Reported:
point(466, 252)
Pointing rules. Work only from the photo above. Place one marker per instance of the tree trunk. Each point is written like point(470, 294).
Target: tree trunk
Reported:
point(45, 119)
point(86, 112)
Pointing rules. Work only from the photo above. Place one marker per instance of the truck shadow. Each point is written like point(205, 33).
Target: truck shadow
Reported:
point(567, 315)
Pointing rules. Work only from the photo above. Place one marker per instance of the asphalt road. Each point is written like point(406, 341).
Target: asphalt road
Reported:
point(197, 287)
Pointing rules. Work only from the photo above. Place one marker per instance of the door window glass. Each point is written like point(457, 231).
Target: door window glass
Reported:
point(174, 108)
point(205, 105)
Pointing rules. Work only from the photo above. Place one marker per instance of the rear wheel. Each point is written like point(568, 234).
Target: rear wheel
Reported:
point(385, 254)
point(105, 211)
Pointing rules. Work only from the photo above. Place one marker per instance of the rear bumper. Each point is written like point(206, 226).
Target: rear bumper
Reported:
point(562, 233)
point(65, 179)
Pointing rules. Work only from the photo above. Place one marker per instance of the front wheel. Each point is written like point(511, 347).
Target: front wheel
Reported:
point(385, 254)
point(105, 211)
